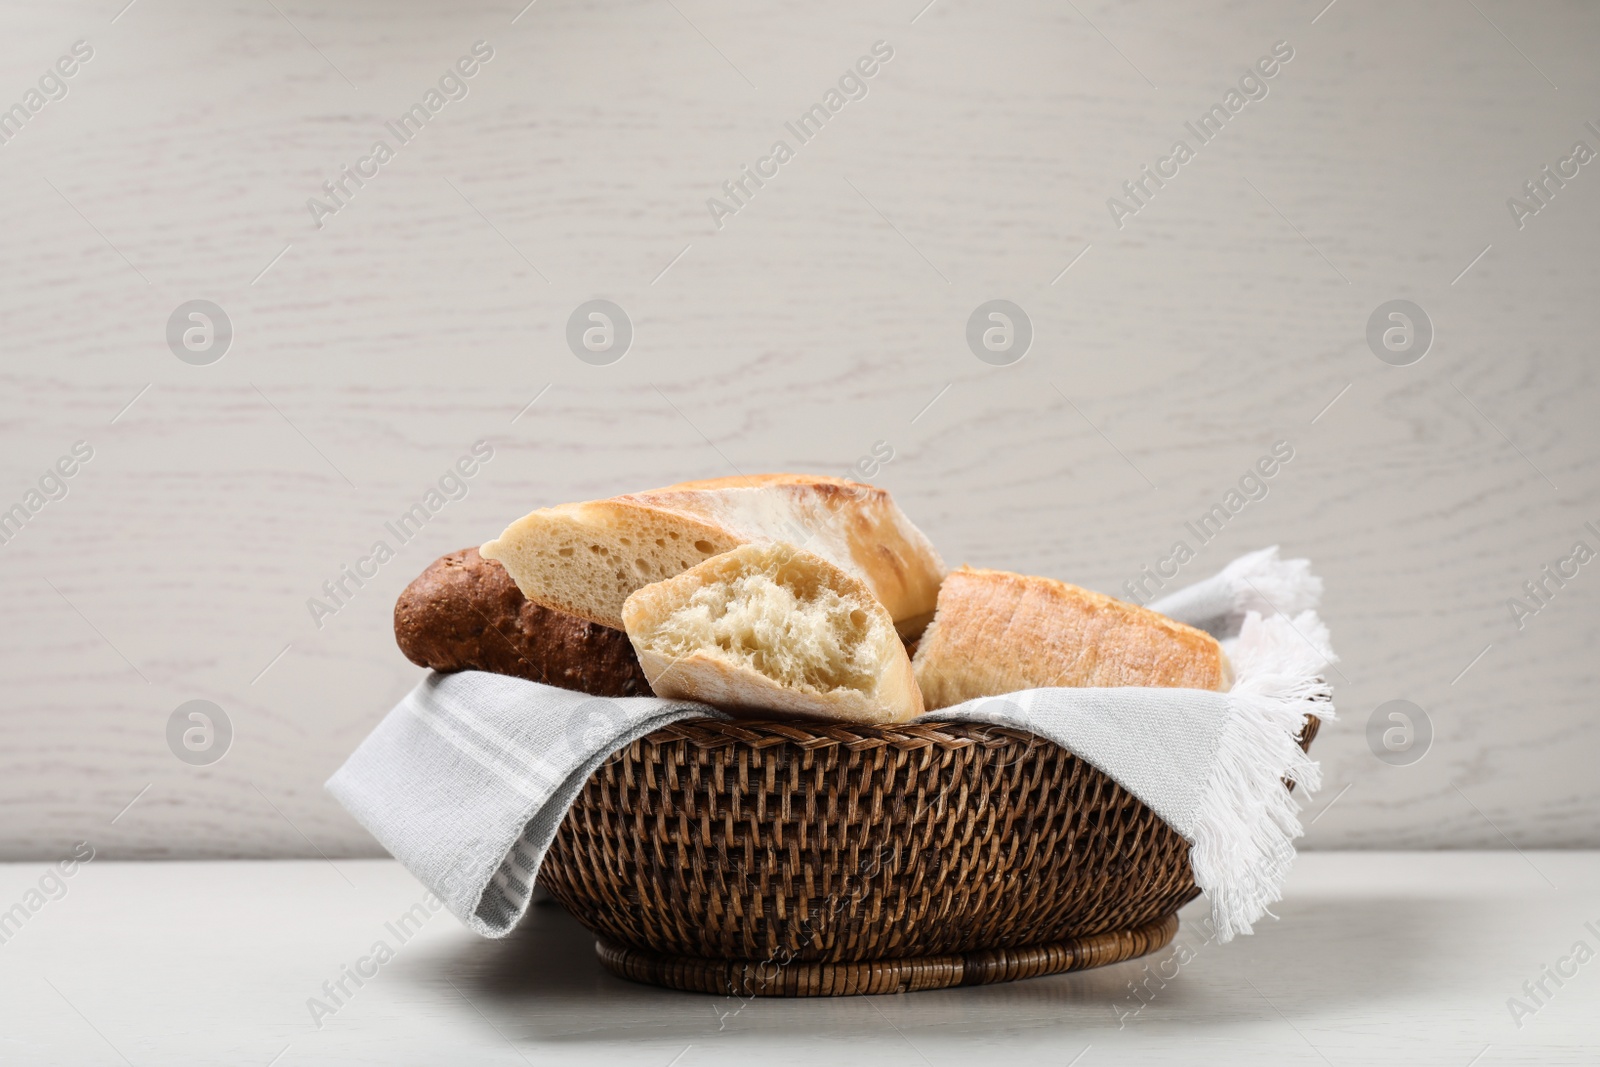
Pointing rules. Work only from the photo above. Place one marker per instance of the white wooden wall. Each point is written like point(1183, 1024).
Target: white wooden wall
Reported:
point(826, 315)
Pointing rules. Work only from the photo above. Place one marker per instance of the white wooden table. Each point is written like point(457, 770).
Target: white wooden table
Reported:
point(1379, 958)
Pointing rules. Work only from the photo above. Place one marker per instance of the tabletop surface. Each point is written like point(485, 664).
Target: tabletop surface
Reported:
point(1417, 958)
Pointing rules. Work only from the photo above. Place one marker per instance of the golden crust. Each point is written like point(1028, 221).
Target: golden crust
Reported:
point(854, 526)
point(996, 632)
point(749, 695)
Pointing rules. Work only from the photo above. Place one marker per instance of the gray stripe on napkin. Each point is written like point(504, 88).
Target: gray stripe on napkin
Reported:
point(467, 780)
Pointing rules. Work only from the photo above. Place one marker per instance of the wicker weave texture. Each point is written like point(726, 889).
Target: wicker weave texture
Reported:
point(798, 842)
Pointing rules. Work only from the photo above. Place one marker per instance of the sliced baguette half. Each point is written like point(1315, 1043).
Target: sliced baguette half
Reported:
point(585, 559)
point(772, 628)
point(997, 632)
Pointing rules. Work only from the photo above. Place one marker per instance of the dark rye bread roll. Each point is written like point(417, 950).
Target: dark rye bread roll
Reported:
point(465, 613)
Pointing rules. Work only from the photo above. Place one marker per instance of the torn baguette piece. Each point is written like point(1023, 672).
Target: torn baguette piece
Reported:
point(585, 559)
point(772, 628)
point(996, 632)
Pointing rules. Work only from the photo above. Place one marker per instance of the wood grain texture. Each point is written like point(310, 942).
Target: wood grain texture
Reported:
point(826, 315)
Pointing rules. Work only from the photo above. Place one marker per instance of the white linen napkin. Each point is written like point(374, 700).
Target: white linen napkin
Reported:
point(467, 780)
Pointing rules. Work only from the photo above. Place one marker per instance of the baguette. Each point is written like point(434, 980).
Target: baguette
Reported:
point(772, 628)
point(586, 559)
point(997, 632)
point(465, 613)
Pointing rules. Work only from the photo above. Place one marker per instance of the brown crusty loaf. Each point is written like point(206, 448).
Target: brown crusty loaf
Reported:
point(587, 558)
point(997, 632)
point(465, 613)
point(772, 628)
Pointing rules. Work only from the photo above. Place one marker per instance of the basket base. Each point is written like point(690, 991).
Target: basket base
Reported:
point(852, 977)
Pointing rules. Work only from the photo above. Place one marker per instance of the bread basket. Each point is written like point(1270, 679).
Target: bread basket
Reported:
point(758, 858)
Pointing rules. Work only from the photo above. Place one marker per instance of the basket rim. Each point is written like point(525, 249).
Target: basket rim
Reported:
point(820, 734)
point(760, 733)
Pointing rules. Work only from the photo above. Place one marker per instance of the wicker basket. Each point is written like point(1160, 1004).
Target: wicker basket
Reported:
point(799, 859)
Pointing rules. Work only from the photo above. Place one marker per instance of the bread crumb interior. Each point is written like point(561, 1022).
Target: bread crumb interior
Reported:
point(782, 622)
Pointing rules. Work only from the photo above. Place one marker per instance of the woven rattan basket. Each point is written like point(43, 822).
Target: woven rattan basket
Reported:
point(799, 859)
